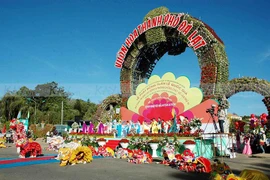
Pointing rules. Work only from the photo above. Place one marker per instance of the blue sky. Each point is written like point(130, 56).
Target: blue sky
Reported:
point(75, 42)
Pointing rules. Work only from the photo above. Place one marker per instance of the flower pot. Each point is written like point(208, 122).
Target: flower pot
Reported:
point(190, 146)
point(124, 144)
point(154, 147)
point(101, 143)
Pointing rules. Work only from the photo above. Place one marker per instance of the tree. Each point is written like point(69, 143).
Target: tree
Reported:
point(46, 102)
point(11, 104)
point(86, 109)
point(50, 90)
point(25, 92)
point(92, 108)
point(78, 106)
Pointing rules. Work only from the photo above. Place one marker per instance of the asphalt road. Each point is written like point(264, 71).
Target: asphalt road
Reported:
point(117, 169)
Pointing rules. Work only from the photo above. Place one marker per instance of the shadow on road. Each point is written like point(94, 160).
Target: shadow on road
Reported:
point(189, 176)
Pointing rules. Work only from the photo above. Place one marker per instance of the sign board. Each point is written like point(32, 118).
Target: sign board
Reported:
point(117, 110)
point(162, 96)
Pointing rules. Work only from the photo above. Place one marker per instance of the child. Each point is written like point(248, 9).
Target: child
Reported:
point(166, 160)
point(247, 149)
point(165, 155)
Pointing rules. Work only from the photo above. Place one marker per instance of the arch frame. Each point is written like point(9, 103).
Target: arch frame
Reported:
point(212, 60)
point(101, 112)
point(245, 84)
point(212, 57)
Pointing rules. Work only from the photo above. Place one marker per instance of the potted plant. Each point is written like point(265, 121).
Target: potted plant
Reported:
point(124, 143)
point(101, 141)
point(195, 124)
point(189, 144)
point(154, 145)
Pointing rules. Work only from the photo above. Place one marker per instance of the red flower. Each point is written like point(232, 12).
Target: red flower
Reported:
point(124, 141)
point(189, 142)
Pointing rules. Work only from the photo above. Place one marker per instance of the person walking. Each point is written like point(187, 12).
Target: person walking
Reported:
point(247, 149)
point(262, 138)
point(238, 141)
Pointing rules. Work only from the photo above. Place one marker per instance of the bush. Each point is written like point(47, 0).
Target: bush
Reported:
point(40, 132)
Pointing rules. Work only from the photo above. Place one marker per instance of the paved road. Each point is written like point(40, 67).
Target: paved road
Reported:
point(115, 169)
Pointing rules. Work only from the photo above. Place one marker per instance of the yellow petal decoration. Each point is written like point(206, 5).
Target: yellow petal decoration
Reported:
point(178, 87)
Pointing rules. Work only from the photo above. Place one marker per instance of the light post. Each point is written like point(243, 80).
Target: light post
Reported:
point(62, 112)
point(35, 111)
point(30, 99)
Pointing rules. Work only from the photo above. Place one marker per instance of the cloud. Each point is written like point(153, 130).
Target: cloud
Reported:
point(265, 56)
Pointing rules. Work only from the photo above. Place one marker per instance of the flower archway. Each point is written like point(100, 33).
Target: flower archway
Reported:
point(103, 109)
point(151, 45)
point(145, 46)
point(253, 84)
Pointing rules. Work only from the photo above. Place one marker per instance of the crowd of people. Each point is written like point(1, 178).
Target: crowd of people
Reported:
point(123, 128)
point(251, 143)
point(255, 140)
